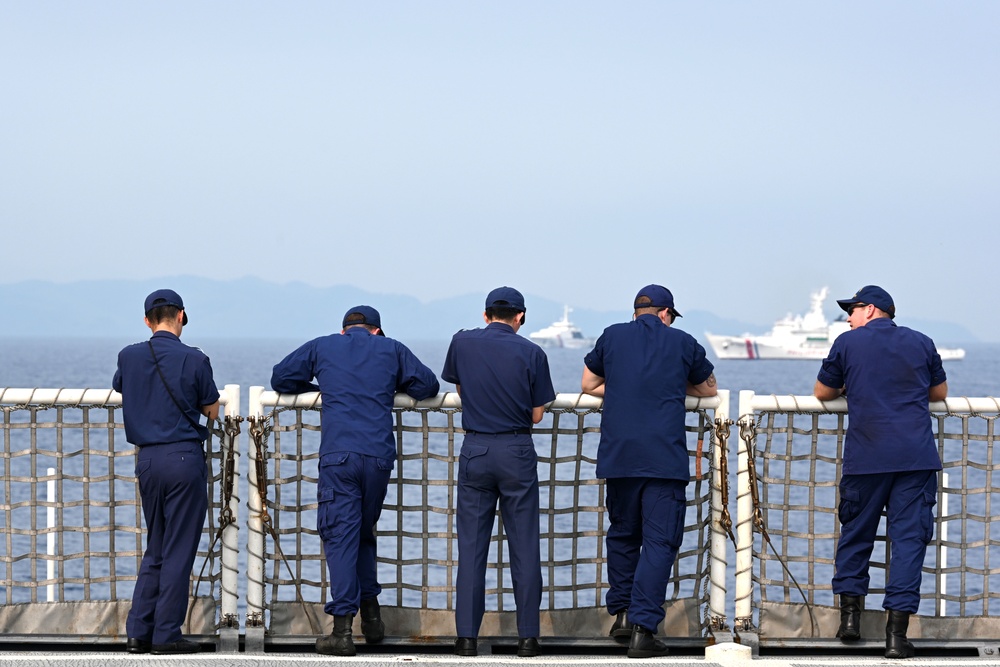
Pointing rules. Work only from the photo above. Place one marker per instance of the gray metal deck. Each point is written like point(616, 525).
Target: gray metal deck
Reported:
point(722, 655)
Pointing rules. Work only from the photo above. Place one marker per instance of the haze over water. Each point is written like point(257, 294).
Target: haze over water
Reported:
point(90, 362)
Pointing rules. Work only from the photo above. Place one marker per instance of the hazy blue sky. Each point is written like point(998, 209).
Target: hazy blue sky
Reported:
point(741, 153)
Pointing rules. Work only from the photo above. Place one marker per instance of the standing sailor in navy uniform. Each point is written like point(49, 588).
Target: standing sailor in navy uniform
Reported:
point(644, 369)
point(504, 382)
point(166, 386)
point(358, 372)
point(889, 374)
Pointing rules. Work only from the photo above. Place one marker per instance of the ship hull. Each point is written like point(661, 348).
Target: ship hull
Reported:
point(808, 336)
point(760, 347)
point(558, 341)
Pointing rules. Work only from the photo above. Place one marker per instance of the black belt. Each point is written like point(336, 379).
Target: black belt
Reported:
point(520, 431)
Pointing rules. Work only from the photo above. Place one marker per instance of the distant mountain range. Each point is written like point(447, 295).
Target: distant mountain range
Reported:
point(254, 308)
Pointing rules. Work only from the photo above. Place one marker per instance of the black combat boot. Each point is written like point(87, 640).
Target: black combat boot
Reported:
point(372, 626)
point(621, 629)
point(527, 647)
point(339, 642)
point(850, 617)
point(644, 644)
point(896, 643)
point(466, 646)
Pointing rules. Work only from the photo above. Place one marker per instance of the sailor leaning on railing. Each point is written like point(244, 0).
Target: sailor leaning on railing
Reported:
point(890, 458)
point(358, 372)
point(643, 369)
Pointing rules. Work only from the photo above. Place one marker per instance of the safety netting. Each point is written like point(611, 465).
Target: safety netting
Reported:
point(795, 448)
point(71, 518)
point(417, 546)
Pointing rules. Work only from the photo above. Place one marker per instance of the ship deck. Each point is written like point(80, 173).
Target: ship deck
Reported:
point(724, 655)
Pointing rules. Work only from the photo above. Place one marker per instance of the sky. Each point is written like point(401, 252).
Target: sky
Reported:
point(741, 153)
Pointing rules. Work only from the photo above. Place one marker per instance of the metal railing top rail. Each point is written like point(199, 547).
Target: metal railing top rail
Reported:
point(790, 403)
point(70, 397)
point(451, 400)
point(61, 396)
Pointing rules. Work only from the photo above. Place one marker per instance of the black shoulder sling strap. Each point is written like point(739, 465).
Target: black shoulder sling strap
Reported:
point(169, 390)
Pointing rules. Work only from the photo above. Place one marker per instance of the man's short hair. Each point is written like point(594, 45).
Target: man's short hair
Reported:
point(163, 314)
point(641, 309)
point(502, 313)
point(357, 320)
point(363, 315)
point(642, 306)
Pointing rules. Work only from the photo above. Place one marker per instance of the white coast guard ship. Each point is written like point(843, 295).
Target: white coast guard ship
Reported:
point(562, 333)
point(806, 336)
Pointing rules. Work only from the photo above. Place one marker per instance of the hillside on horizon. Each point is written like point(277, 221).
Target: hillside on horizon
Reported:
point(253, 308)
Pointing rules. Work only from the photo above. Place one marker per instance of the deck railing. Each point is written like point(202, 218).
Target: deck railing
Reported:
point(417, 548)
point(97, 523)
point(790, 454)
point(72, 523)
point(72, 526)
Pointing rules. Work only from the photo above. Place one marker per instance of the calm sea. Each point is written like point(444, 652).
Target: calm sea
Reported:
point(90, 362)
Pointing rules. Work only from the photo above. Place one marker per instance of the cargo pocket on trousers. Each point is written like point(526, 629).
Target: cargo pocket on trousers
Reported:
point(326, 492)
point(680, 510)
point(329, 521)
point(850, 504)
point(664, 519)
point(927, 516)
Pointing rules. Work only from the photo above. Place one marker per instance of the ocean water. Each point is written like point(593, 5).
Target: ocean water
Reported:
point(91, 362)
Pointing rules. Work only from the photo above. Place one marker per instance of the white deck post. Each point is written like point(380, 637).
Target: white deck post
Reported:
point(255, 539)
point(719, 543)
point(744, 527)
point(229, 632)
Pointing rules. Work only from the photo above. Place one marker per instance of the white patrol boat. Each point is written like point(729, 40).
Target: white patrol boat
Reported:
point(806, 336)
point(562, 333)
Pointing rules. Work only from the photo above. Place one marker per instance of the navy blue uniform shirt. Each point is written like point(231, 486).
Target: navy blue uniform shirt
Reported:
point(151, 417)
point(888, 371)
point(358, 374)
point(646, 368)
point(502, 376)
